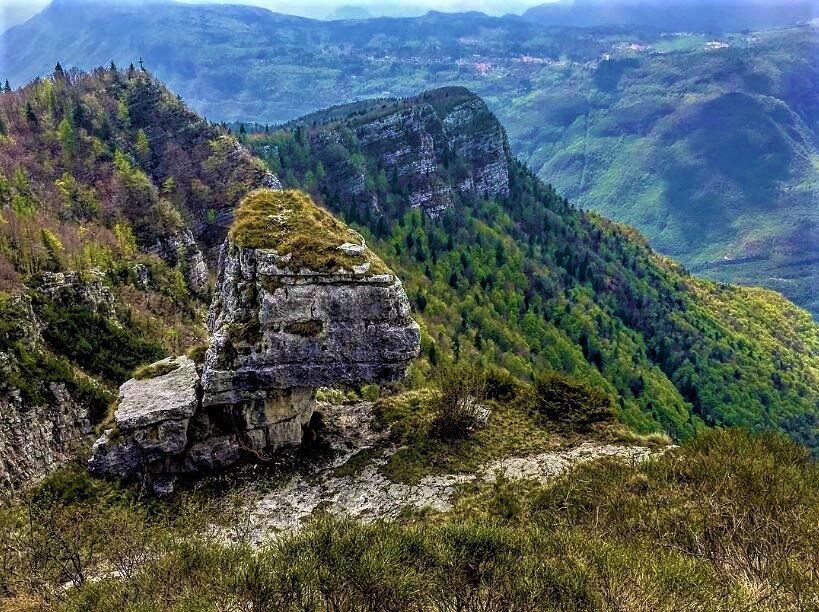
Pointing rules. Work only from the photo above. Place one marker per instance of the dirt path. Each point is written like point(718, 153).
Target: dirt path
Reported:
point(367, 494)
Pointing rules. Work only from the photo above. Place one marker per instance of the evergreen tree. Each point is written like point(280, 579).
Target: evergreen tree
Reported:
point(31, 116)
point(113, 72)
point(6, 87)
point(58, 72)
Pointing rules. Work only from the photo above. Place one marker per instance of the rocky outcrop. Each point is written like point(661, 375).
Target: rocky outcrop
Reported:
point(36, 438)
point(277, 328)
point(279, 331)
point(442, 142)
point(182, 250)
point(86, 289)
point(151, 420)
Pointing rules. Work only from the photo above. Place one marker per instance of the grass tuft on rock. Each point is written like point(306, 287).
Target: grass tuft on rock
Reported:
point(155, 370)
point(290, 223)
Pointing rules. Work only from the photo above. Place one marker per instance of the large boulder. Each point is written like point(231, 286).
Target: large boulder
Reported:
point(275, 328)
point(151, 420)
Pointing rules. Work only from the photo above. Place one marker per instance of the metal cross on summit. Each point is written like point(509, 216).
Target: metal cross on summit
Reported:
point(141, 66)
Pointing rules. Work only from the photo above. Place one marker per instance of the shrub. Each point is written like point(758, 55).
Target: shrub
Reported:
point(571, 402)
point(457, 408)
point(501, 385)
point(197, 352)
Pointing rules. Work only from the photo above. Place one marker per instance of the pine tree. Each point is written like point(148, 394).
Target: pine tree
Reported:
point(58, 71)
point(31, 117)
point(7, 87)
point(113, 72)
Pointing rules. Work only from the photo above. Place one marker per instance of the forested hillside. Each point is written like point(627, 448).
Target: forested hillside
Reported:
point(112, 192)
point(707, 143)
point(110, 189)
point(521, 279)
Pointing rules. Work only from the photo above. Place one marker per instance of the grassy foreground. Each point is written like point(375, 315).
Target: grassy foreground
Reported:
point(728, 521)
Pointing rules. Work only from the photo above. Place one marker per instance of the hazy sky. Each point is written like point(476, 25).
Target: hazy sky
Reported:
point(16, 11)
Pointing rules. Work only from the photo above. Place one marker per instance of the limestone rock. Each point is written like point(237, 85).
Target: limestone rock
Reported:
point(278, 331)
point(35, 440)
point(171, 396)
point(213, 453)
point(277, 328)
point(152, 419)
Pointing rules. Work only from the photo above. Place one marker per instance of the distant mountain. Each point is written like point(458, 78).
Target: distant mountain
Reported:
point(350, 12)
point(676, 15)
point(707, 144)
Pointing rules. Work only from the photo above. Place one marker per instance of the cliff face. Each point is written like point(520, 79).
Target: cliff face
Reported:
point(442, 141)
point(38, 435)
point(279, 330)
point(274, 327)
point(34, 440)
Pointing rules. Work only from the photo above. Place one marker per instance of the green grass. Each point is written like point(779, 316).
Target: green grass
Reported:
point(728, 521)
point(511, 430)
point(290, 223)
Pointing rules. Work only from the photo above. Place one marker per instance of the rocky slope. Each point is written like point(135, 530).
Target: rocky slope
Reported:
point(36, 437)
point(348, 486)
point(279, 330)
point(410, 143)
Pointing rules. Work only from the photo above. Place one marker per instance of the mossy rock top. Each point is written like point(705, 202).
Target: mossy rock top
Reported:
point(291, 224)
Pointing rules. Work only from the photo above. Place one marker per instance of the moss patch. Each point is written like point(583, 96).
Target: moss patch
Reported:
point(290, 223)
point(155, 370)
point(357, 463)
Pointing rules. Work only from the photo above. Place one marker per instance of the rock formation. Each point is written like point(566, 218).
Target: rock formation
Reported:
point(301, 303)
point(414, 142)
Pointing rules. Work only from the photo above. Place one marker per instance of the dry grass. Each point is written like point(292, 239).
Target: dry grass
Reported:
point(510, 430)
point(290, 223)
